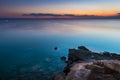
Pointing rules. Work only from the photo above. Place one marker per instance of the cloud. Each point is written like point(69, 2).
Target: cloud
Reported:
point(60, 15)
point(69, 15)
point(40, 14)
point(45, 14)
point(117, 16)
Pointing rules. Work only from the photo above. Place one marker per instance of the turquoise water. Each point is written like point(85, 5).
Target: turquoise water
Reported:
point(27, 46)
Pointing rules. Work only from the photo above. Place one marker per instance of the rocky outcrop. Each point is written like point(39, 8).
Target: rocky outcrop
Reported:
point(97, 70)
point(84, 54)
point(84, 64)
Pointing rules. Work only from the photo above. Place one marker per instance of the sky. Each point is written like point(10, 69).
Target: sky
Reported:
point(17, 8)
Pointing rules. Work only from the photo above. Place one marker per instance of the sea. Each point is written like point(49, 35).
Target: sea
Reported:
point(27, 47)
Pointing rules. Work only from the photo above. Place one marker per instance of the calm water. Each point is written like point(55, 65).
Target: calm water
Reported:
point(27, 46)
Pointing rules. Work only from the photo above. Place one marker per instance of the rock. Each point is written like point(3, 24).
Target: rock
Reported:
point(92, 71)
point(63, 58)
point(112, 64)
point(106, 54)
point(59, 76)
point(84, 54)
point(55, 48)
point(83, 48)
point(78, 72)
point(107, 72)
point(95, 68)
point(66, 70)
point(74, 55)
point(84, 64)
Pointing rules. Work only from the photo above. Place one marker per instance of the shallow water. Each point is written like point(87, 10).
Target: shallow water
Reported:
point(27, 46)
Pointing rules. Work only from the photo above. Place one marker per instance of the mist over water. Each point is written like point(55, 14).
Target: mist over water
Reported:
point(28, 45)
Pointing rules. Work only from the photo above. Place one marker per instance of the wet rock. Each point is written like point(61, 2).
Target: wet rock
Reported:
point(55, 48)
point(66, 70)
point(63, 58)
point(106, 54)
point(74, 55)
point(84, 54)
point(59, 76)
point(83, 48)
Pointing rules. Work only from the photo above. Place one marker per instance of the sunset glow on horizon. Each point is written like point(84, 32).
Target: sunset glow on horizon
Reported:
point(15, 9)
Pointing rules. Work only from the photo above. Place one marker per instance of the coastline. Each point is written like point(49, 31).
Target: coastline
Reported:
point(83, 64)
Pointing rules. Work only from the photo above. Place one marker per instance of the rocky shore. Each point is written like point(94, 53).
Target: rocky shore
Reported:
point(83, 64)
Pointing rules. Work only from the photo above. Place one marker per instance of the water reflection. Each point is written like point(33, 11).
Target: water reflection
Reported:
point(32, 42)
point(69, 27)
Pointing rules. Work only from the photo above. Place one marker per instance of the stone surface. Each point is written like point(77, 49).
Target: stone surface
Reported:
point(59, 76)
point(93, 71)
point(84, 64)
point(84, 54)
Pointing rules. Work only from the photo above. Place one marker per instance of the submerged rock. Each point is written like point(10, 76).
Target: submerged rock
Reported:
point(47, 60)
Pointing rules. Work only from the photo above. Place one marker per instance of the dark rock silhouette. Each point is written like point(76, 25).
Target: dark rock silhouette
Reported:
point(55, 48)
point(83, 48)
point(84, 54)
point(63, 58)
